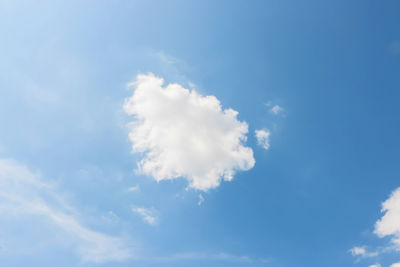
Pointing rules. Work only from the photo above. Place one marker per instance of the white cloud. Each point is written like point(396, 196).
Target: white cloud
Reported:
point(148, 215)
point(375, 265)
point(356, 251)
point(276, 109)
point(389, 224)
point(184, 134)
point(23, 192)
point(263, 138)
point(362, 252)
point(397, 264)
point(201, 199)
point(135, 188)
point(95, 246)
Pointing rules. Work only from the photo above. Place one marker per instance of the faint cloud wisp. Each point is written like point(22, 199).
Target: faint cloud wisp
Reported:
point(24, 193)
point(149, 215)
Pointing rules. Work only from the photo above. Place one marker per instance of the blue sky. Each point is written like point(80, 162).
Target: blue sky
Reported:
point(102, 163)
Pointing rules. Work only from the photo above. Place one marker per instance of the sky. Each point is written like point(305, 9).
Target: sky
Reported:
point(199, 133)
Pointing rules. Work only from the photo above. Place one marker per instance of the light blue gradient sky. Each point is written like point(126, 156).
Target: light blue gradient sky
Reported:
point(316, 192)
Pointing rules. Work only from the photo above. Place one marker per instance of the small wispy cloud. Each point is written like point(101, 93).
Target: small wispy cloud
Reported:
point(111, 217)
point(24, 193)
point(263, 138)
point(135, 188)
point(166, 58)
point(201, 199)
point(276, 109)
point(191, 85)
point(362, 252)
point(356, 251)
point(148, 215)
point(171, 66)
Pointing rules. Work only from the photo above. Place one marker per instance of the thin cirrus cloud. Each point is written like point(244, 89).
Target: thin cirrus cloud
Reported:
point(135, 188)
point(148, 215)
point(24, 193)
point(181, 133)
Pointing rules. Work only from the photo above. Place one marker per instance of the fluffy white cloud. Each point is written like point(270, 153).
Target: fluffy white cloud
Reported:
point(25, 193)
point(184, 134)
point(148, 215)
point(276, 109)
point(263, 138)
point(397, 264)
point(375, 265)
point(389, 224)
